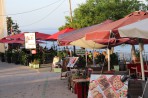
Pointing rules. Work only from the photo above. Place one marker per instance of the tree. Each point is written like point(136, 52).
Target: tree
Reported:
point(96, 11)
point(12, 28)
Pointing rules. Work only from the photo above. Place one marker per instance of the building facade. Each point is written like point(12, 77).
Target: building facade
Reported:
point(3, 27)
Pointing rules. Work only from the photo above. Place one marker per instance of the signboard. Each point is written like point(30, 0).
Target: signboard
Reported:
point(30, 41)
point(107, 86)
point(80, 51)
point(72, 61)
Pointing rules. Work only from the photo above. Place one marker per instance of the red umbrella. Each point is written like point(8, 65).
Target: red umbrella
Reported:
point(39, 36)
point(80, 33)
point(104, 32)
point(19, 41)
point(16, 36)
point(16, 41)
point(4, 40)
point(54, 37)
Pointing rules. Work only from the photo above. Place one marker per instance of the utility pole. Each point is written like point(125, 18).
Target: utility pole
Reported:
point(70, 10)
point(74, 48)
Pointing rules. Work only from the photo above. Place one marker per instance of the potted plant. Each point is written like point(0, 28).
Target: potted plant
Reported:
point(2, 55)
point(137, 56)
point(15, 57)
point(8, 55)
point(35, 64)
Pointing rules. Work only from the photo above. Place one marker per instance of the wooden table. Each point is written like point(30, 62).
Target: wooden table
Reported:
point(81, 87)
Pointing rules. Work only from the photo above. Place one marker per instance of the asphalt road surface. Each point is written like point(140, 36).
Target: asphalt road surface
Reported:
point(18, 81)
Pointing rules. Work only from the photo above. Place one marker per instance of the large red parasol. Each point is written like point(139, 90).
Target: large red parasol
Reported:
point(12, 41)
point(4, 40)
point(54, 37)
point(73, 36)
point(39, 36)
point(104, 32)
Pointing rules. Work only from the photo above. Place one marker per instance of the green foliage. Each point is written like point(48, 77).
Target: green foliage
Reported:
point(2, 56)
point(99, 59)
point(61, 54)
point(81, 63)
point(137, 52)
point(36, 61)
point(8, 54)
point(114, 59)
point(23, 57)
point(15, 56)
point(96, 11)
point(12, 27)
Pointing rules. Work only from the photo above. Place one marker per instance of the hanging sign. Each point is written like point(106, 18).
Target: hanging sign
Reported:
point(80, 51)
point(72, 61)
point(30, 40)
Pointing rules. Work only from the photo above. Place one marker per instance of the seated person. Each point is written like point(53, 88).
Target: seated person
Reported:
point(55, 62)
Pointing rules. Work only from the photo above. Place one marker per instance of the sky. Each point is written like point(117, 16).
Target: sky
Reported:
point(44, 16)
point(47, 19)
point(40, 15)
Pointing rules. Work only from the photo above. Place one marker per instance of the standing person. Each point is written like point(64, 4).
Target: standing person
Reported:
point(95, 55)
point(55, 62)
point(105, 58)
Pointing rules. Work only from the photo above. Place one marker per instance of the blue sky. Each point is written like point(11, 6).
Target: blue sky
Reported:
point(46, 20)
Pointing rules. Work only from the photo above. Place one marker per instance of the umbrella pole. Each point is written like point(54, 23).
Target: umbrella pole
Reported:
point(93, 58)
point(108, 54)
point(86, 57)
point(141, 60)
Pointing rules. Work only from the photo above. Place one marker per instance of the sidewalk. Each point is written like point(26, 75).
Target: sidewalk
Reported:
point(18, 81)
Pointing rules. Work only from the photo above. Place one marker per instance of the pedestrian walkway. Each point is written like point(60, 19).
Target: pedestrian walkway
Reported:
point(18, 81)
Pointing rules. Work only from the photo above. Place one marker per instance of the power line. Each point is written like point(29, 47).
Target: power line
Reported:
point(45, 16)
point(33, 9)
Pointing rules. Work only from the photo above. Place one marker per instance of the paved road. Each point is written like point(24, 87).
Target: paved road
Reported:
point(17, 81)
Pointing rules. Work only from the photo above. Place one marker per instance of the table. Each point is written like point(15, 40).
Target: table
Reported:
point(81, 87)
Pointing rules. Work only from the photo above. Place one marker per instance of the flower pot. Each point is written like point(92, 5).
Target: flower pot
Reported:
point(36, 66)
point(30, 65)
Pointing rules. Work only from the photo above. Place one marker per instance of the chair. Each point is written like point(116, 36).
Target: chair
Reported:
point(135, 88)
